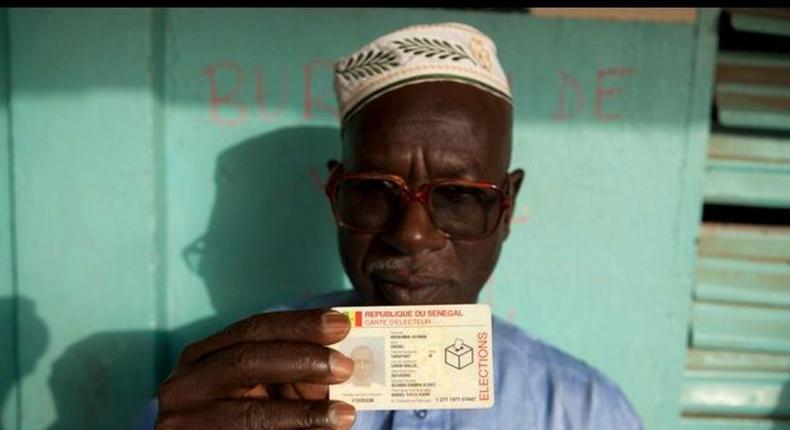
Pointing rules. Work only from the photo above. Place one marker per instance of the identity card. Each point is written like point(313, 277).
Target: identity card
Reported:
point(418, 357)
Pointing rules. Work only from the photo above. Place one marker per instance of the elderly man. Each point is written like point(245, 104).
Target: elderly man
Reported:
point(423, 201)
point(365, 367)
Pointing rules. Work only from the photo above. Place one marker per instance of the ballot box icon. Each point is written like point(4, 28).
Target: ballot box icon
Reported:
point(458, 354)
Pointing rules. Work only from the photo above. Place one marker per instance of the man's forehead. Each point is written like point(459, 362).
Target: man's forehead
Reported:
point(438, 162)
point(433, 106)
point(362, 350)
point(453, 130)
point(420, 118)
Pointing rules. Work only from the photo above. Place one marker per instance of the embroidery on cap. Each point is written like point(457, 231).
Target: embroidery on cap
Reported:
point(368, 64)
point(433, 47)
point(479, 52)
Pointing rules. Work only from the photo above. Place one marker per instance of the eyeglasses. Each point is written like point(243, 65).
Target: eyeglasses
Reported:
point(373, 202)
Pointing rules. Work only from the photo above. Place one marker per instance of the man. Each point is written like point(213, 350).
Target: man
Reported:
point(423, 200)
point(365, 368)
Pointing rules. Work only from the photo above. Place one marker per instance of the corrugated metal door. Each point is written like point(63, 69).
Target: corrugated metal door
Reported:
point(738, 366)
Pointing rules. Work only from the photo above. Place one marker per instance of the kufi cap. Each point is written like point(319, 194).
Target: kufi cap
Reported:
point(437, 52)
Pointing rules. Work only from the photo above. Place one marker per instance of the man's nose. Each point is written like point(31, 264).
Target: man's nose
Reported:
point(414, 233)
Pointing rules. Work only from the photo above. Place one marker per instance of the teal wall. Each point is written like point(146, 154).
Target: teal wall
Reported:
point(161, 174)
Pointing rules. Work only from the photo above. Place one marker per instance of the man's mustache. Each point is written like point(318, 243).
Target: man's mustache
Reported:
point(405, 265)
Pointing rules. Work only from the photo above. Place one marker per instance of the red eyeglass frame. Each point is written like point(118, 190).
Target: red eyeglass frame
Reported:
point(420, 195)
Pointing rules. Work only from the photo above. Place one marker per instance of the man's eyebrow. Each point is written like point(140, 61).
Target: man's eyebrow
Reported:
point(455, 167)
point(457, 171)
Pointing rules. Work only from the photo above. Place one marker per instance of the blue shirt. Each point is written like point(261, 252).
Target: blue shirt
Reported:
point(538, 387)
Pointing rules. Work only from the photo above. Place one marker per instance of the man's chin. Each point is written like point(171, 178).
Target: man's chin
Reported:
point(399, 295)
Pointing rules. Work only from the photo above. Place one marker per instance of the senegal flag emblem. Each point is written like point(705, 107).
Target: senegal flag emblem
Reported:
point(355, 317)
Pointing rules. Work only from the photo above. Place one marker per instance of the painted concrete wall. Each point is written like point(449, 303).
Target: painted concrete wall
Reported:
point(162, 173)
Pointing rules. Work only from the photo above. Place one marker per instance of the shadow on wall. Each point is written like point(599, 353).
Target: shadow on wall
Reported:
point(270, 240)
point(271, 236)
point(37, 335)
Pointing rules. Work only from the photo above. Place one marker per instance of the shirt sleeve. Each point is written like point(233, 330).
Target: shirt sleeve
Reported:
point(614, 411)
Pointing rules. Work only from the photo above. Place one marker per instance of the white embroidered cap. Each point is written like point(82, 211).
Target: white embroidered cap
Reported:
point(436, 52)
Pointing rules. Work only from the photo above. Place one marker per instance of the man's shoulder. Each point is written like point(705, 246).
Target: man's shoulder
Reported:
point(558, 382)
point(537, 352)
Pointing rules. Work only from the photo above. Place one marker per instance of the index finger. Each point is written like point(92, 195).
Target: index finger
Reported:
point(318, 326)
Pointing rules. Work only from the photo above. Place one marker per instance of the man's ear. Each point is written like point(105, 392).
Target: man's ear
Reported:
point(331, 164)
point(515, 178)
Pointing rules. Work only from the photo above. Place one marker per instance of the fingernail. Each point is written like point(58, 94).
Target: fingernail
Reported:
point(342, 415)
point(340, 365)
point(334, 323)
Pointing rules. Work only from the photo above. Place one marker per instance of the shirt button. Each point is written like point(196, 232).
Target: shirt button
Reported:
point(421, 414)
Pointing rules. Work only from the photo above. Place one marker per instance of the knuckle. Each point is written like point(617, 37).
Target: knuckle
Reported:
point(290, 414)
point(315, 360)
point(245, 357)
point(302, 324)
point(167, 391)
point(255, 415)
point(170, 393)
point(189, 353)
point(246, 329)
point(315, 415)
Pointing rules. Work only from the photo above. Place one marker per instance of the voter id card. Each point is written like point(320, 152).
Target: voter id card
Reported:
point(418, 357)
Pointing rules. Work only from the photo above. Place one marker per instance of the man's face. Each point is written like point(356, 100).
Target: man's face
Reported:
point(364, 365)
point(424, 132)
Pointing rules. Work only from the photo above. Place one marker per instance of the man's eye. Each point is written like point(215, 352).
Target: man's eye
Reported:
point(461, 197)
point(459, 194)
point(377, 185)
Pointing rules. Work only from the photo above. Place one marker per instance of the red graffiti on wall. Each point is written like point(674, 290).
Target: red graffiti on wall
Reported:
point(570, 88)
point(228, 97)
point(522, 216)
point(260, 95)
point(509, 78)
point(313, 100)
point(601, 93)
point(569, 82)
point(231, 100)
point(228, 90)
point(315, 178)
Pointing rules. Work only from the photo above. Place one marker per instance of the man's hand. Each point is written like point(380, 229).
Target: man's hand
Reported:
point(269, 371)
